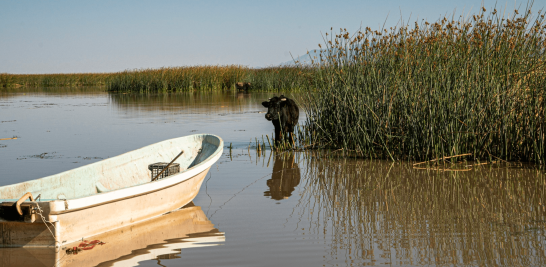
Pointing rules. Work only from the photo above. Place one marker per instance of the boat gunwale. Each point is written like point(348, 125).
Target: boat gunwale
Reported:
point(59, 212)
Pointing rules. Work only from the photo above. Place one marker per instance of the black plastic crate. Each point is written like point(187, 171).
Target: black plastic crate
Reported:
point(159, 166)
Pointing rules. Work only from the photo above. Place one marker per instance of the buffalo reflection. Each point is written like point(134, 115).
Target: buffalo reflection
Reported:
point(285, 177)
point(243, 95)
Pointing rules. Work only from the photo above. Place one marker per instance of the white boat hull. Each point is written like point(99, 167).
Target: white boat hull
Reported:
point(77, 218)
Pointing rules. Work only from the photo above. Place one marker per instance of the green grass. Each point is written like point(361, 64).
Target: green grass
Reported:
point(174, 79)
point(433, 90)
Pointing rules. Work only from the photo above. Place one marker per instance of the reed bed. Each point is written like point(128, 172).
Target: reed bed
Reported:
point(432, 90)
point(58, 80)
point(178, 79)
point(173, 79)
point(209, 78)
point(284, 78)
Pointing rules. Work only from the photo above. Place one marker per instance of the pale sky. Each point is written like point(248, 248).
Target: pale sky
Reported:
point(109, 36)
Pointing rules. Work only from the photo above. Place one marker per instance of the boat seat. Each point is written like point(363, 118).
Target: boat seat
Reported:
point(101, 188)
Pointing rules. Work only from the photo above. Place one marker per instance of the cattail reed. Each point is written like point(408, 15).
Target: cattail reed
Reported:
point(434, 89)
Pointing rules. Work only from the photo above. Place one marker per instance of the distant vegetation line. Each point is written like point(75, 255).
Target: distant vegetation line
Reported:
point(46, 80)
point(434, 90)
point(200, 78)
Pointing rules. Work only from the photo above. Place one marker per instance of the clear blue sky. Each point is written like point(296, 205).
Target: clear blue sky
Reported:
point(106, 36)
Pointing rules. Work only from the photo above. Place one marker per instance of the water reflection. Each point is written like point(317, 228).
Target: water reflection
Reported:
point(210, 101)
point(285, 177)
point(243, 95)
point(339, 212)
point(160, 238)
point(384, 213)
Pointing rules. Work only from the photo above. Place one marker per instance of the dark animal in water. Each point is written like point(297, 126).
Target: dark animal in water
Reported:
point(242, 86)
point(284, 114)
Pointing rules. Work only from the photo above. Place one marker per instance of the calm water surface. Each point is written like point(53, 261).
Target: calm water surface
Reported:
point(267, 209)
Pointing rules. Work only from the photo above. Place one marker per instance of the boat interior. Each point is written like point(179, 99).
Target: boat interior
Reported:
point(126, 170)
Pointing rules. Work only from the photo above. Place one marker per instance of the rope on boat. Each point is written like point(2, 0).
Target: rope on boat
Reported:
point(39, 211)
point(234, 195)
point(84, 245)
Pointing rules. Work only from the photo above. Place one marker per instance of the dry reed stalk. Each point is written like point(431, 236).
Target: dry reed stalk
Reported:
point(443, 158)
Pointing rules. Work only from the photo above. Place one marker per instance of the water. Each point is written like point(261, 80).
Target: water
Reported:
point(267, 209)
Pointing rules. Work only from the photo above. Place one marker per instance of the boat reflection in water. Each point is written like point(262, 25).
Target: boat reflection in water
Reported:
point(159, 238)
point(285, 177)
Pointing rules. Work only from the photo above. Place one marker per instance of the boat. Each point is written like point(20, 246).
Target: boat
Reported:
point(188, 227)
point(77, 204)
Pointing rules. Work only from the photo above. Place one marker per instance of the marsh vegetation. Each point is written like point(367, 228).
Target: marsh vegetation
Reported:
point(431, 90)
point(173, 79)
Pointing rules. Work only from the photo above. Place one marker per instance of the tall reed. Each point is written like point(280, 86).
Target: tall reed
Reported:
point(435, 89)
point(285, 78)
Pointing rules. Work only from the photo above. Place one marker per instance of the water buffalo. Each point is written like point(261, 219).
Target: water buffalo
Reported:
point(284, 114)
point(242, 86)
